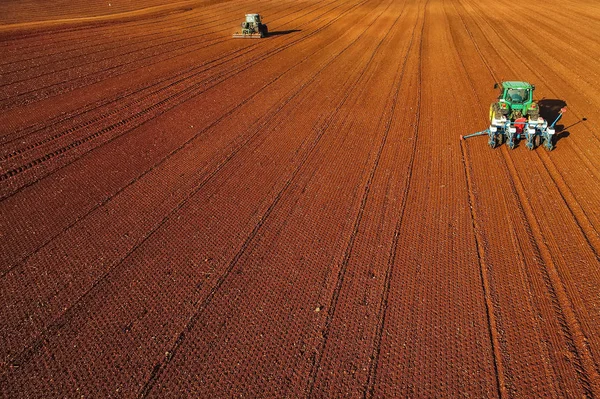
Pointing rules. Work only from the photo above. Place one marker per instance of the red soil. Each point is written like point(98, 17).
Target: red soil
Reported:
point(188, 214)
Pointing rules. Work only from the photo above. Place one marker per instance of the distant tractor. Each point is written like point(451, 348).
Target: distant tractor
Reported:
point(516, 115)
point(252, 28)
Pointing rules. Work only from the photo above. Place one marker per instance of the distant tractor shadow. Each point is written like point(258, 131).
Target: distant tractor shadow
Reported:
point(283, 32)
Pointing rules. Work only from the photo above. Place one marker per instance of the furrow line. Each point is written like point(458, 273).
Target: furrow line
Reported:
point(348, 251)
point(584, 361)
point(43, 92)
point(165, 20)
point(180, 77)
point(490, 306)
point(588, 231)
point(206, 301)
point(535, 71)
point(149, 384)
point(369, 390)
point(157, 370)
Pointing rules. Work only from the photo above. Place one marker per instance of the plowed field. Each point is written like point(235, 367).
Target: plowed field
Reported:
point(187, 214)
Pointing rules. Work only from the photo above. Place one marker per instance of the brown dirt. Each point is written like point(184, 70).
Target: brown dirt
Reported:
point(188, 214)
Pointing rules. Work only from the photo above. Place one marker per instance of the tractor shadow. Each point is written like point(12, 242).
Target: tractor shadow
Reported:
point(550, 108)
point(283, 32)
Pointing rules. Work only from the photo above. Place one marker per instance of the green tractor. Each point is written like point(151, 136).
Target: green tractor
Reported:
point(516, 116)
point(514, 102)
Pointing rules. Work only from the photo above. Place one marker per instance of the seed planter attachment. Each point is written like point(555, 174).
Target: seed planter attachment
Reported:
point(535, 132)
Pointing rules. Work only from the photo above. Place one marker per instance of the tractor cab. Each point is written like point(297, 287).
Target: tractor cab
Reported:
point(253, 18)
point(516, 96)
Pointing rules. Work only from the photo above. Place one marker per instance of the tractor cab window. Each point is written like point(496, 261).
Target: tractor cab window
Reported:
point(516, 95)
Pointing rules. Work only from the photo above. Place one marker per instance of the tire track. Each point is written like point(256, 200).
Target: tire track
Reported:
point(583, 222)
point(435, 335)
point(588, 231)
point(325, 331)
point(159, 367)
point(146, 172)
point(177, 23)
point(236, 234)
point(580, 218)
point(27, 237)
point(46, 19)
point(11, 148)
point(535, 71)
point(90, 45)
point(369, 390)
point(322, 6)
point(155, 23)
point(584, 361)
point(321, 133)
point(490, 306)
point(585, 225)
point(184, 79)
